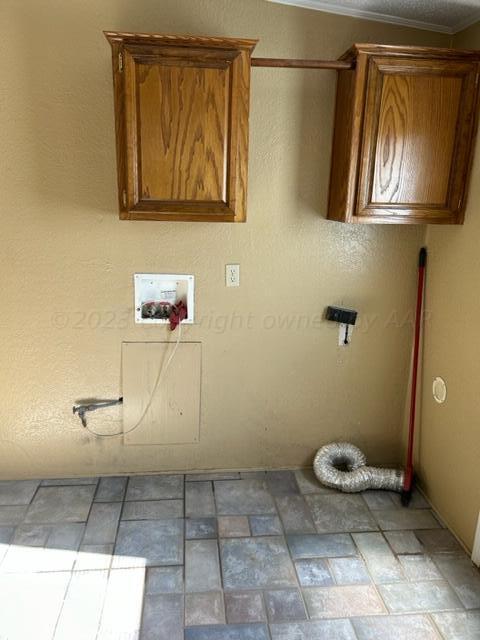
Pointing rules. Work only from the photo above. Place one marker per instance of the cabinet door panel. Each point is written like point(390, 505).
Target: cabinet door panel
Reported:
point(415, 141)
point(178, 115)
point(419, 118)
point(181, 117)
point(183, 132)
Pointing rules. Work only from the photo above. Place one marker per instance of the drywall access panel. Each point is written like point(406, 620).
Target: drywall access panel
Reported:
point(181, 112)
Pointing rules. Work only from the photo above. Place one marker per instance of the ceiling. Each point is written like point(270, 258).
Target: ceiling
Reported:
point(446, 16)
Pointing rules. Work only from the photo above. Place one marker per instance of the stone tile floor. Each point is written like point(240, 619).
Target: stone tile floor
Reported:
point(233, 556)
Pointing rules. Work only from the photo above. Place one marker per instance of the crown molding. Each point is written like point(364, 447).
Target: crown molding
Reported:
point(337, 9)
point(464, 24)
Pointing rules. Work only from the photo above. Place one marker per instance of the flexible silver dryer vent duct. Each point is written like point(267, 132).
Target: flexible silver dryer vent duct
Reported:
point(343, 466)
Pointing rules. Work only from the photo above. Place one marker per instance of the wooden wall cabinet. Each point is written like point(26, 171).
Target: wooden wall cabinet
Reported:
point(405, 127)
point(181, 111)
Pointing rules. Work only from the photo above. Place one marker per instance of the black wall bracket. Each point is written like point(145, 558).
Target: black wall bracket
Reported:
point(348, 317)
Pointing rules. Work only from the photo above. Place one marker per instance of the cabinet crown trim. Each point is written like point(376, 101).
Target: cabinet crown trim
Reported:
point(470, 55)
point(126, 37)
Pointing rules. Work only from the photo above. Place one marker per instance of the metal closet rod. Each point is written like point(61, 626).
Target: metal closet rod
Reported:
point(302, 64)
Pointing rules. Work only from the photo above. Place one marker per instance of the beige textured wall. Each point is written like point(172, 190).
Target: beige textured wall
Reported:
point(270, 396)
point(449, 451)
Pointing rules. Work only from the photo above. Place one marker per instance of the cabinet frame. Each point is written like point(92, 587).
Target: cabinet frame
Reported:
point(232, 55)
point(357, 118)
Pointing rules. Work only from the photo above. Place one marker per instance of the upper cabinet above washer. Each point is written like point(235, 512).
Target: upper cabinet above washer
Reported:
point(404, 131)
point(404, 134)
point(181, 110)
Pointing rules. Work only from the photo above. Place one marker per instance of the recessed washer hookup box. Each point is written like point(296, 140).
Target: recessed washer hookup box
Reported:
point(156, 293)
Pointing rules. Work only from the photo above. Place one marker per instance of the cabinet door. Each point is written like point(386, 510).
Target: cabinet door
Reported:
point(419, 125)
point(183, 149)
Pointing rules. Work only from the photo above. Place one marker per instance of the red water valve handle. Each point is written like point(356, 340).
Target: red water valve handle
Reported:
point(177, 314)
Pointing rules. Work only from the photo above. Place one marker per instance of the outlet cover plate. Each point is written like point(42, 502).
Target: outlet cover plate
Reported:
point(232, 275)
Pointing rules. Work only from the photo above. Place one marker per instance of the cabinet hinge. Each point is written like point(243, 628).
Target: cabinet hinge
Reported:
point(120, 62)
point(124, 198)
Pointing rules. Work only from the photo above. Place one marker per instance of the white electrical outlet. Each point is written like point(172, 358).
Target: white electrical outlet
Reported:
point(232, 275)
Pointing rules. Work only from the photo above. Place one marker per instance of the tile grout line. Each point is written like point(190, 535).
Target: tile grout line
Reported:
point(72, 571)
point(284, 539)
point(436, 628)
point(110, 564)
point(184, 563)
point(110, 567)
point(307, 611)
point(219, 554)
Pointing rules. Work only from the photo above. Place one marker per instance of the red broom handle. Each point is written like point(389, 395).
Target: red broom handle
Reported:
point(407, 484)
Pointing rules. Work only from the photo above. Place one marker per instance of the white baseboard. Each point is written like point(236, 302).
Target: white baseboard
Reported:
point(476, 545)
